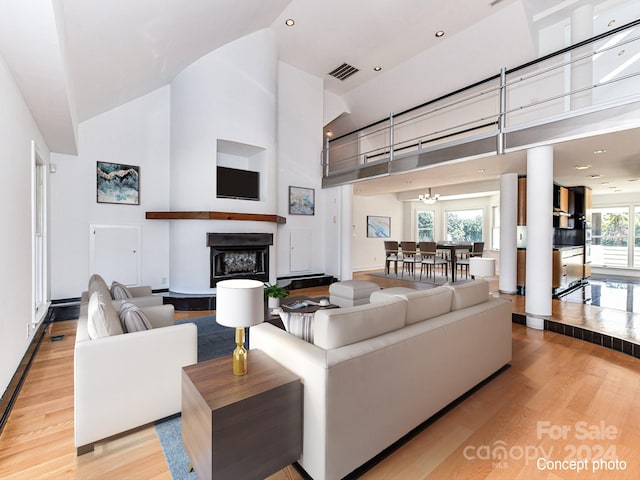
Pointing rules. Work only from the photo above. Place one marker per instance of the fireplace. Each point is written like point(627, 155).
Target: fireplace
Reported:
point(239, 255)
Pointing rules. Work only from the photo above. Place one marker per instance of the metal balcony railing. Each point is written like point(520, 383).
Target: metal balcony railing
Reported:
point(499, 113)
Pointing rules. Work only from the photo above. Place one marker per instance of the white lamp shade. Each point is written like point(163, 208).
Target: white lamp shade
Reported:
point(482, 267)
point(239, 303)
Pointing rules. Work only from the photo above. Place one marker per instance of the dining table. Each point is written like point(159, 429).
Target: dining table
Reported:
point(453, 248)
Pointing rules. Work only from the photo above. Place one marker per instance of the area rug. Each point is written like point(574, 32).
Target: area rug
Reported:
point(213, 341)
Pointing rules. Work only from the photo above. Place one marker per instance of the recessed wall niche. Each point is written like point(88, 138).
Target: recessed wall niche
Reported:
point(240, 171)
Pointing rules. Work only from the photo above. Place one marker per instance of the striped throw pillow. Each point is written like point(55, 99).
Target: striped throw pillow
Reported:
point(299, 324)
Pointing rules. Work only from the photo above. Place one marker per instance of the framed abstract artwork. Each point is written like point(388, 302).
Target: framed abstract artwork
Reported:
point(302, 201)
point(378, 227)
point(118, 183)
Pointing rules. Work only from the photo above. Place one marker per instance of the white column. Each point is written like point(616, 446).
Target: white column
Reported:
point(508, 242)
point(582, 71)
point(539, 235)
point(346, 231)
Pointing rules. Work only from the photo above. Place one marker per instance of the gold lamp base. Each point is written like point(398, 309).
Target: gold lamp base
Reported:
point(240, 354)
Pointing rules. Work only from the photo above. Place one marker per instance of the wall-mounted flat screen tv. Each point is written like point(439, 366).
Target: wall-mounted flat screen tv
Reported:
point(236, 183)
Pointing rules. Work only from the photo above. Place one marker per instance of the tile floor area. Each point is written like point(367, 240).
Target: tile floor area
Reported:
point(618, 293)
point(616, 321)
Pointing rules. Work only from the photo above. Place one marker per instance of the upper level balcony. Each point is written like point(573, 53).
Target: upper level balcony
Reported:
point(583, 90)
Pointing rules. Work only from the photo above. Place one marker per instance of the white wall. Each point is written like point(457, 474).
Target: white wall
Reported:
point(136, 133)
point(17, 130)
point(368, 253)
point(229, 94)
point(300, 107)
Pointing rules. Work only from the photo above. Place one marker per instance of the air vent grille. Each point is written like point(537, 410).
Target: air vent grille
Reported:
point(343, 72)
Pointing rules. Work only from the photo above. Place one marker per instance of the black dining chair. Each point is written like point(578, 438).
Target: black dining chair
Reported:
point(431, 260)
point(391, 256)
point(477, 248)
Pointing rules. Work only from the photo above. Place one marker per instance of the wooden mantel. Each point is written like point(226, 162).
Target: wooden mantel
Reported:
point(254, 217)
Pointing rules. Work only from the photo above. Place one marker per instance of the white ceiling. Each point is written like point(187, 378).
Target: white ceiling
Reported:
point(74, 59)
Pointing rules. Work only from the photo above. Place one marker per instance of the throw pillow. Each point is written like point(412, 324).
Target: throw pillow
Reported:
point(103, 318)
point(120, 292)
point(299, 324)
point(133, 318)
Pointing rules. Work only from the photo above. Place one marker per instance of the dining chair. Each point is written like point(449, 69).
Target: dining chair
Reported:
point(409, 257)
point(431, 259)
point(391, 256)
point(477, 248)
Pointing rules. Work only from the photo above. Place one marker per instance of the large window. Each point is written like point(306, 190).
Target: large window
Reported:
point(610, 237)
point(636, 239)
point(464, 225)
point(39, 236)
point(425, 226)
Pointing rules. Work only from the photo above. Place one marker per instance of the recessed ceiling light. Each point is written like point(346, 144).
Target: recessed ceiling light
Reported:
point(377, 68)
point(632, 180)
point(613, 187)
point(482, 170)
point(611, 23)
point(595, 175)
point(620, 53)
point(440, 33)
point(605, 183)
point(582, 167)
point(289, 22)
point(598, 152)
point(329, 133)
point(617, 190)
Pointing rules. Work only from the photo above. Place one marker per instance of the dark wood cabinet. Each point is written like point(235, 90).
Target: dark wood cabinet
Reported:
point(246, 426)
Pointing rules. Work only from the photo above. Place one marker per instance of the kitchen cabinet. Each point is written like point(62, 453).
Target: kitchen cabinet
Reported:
point(522, 201)
point(568, 267)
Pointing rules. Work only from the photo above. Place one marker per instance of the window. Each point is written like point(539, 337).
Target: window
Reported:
point(39, 236)
point(636, 239)
point(425, 227)
point(495, 230)
point(464, 225)
point(610, 237)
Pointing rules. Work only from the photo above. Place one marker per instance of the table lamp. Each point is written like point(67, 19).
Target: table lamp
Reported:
point(482, 267)
point(239, 304)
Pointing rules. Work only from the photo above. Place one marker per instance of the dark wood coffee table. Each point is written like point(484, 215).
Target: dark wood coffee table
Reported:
point(285, 302)
point(246, 427)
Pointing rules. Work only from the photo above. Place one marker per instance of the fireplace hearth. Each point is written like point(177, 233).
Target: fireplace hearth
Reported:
point(239, 255)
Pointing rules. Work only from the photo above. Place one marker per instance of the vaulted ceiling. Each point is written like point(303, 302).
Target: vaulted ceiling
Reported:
point(74, 59)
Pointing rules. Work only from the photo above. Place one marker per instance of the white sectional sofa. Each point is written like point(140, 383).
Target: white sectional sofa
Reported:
point(375, 372)
point(125, 380)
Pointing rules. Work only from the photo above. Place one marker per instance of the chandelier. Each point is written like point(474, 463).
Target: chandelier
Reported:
point(428, 198)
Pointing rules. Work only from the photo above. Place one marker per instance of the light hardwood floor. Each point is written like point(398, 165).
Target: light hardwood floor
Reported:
point(556, 385)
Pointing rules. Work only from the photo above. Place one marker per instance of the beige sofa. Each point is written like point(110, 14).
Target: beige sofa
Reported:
point(374, 372)
point(125, 380)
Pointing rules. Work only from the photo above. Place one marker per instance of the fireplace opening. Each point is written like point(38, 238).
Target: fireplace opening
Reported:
point(239, 255)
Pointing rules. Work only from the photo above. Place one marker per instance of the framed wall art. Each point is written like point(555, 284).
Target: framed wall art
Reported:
point(378, 227)
point(302, 201)
point(118, 183)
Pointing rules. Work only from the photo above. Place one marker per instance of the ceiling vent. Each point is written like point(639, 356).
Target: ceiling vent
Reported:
point(343, 72)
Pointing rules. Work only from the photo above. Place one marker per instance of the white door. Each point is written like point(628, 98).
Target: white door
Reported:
point(300, 250)
point(115, 253)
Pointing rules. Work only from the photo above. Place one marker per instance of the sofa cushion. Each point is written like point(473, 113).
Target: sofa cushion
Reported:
point(133, 318)
point(469, 294)
point(103, 319)
point(425, 304)
point(343, 326)
point(299, 324)
point(119, 291)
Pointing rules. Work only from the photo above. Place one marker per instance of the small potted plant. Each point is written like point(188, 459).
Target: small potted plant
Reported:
point(274, 293)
